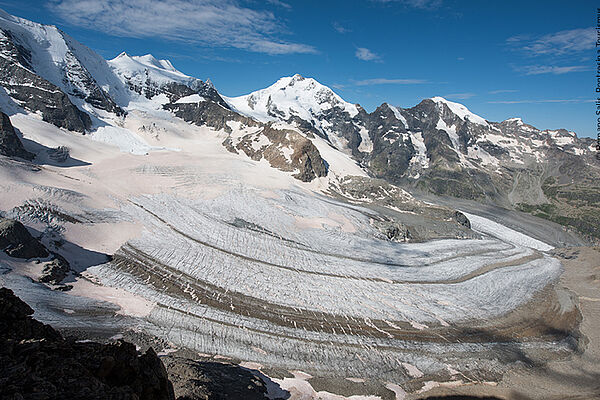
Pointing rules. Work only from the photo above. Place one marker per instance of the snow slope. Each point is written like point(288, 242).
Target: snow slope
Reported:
point(138, 69)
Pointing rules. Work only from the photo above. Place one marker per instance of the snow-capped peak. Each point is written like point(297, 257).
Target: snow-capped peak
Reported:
point(460, 111)
point(61, 60)
point(517, 121)
point(147, 75)
point(150, 60)
point(290, 96)
point(136, 64)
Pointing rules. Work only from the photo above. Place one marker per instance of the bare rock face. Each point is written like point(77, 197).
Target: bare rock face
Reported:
point(16, 241)
point(210, 113)
point(37, 363)
point(285, 149)
point(17, 322)
point(10, 144)
point(35, 93)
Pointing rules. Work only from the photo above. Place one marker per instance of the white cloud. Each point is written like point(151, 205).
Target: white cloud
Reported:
point(422, 4)
point(551, 69)
point(214, 23)
point(341, 29)
point(542, 101)
point(279, 3)
point(365, 54)
point(558, 43)
point(499, 91)
point(386, 81)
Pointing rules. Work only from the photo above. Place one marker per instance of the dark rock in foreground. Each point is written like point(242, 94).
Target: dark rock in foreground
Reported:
point(16, 241)
point(37, 363)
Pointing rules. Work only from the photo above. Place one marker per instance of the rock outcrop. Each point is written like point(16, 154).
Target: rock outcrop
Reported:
point(55, 271)
point(16, 241)
point(197, 380)
point(417, 221)
point(10, 144)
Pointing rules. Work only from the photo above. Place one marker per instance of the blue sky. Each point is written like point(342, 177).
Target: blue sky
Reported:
point(502, 59)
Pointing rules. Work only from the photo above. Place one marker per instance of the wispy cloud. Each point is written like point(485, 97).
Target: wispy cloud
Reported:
point(279, 3)
point(542, 101)
point(340, 28)
point(551, 69)
point(460, 96)
point(214, 23)
point(386, 81)
point(422, 4)
point(558, 43)
point(362, 53)
point(499, 91)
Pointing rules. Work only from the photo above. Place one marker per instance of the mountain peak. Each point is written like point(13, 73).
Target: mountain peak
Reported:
point(517, 121)
point(289, 81)
point(135, 65)
point(148, 59)
point(291, 96)
point(460, 110)
point(439, 99)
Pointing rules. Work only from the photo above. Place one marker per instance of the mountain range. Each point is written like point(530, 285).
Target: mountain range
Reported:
point(375, 254)
point(303, 127)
